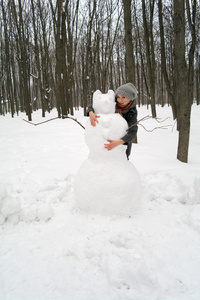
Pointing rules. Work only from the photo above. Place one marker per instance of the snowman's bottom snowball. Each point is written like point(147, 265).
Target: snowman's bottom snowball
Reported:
point(108, 188)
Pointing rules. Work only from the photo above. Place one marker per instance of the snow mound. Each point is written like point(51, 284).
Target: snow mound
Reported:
point(194, 192)
point(33, 203)
point(112, 188)
point(45, 212)
point(163, 186)
point(10, 206)
point(193, 217)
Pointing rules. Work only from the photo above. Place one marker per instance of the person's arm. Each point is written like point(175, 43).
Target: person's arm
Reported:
point(131, 119)
point(131, 133)
point(93, 118)
point(113, 143)
point(89, 109)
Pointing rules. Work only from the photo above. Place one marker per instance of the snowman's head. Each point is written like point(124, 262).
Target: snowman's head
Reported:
point(104, 103)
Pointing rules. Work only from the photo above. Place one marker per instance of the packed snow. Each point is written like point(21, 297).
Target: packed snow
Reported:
point(51, 249)
point(107, 182)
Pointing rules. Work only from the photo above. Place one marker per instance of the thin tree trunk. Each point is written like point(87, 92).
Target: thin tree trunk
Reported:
point(24, 56)
point(37, 58)
point(59, 33)
point(8, 64)
point(130, 60)
point(192, 26)
point(87, 59)
point(148, 36)
point(163, 61)
point(181, 81)
point(198, 78)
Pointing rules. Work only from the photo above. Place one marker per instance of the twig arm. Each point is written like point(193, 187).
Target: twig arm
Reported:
point(35, 124)
point(64, 117)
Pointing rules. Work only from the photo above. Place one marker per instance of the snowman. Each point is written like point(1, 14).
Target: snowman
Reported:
point(107, 183)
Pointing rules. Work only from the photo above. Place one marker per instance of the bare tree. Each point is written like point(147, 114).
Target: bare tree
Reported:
point(72, 23)
point(181, 81)
point(23, 55)
point(130, 60)
point(37, 58)
point(9, 89)
point(59, 18)
point(164, 61)
point(142, 74)
point(149, 42)
point(88, 55)
point(191, 16)
point(45, 33)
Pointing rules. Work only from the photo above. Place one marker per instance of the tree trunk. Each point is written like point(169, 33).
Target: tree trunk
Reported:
point(192, 26)
point(143, 72)
point(60, 69)
point(46, 68)
point(130, 60)
point(163, 61)
point(37, 58)
point(9, 87)
point(181, 81)
point(24, 58)
point(198, 78)
point(88, 53)
point(148, 36)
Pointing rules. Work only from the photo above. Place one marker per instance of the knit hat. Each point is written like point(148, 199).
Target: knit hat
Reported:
point(128, 90)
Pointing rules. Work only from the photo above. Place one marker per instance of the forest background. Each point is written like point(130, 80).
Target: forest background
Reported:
point(56, 53)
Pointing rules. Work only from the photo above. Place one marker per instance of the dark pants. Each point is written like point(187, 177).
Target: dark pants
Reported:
point(128, 150)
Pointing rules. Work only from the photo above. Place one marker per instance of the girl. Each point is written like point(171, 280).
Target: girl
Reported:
point(125, 106)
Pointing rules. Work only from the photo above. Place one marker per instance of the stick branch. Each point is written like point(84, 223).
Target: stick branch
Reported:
point(35, 124)
point(63, 117)
point(147, 118)
point(74, 120)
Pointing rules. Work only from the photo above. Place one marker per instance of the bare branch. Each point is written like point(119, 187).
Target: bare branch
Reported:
point(147, 118)
point(35, 124)
point(63, 117)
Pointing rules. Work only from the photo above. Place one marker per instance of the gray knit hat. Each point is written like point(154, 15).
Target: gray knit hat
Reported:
point(128, 90)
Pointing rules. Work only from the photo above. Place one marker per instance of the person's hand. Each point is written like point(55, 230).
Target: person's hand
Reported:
point(113, 143)
point(93, 118)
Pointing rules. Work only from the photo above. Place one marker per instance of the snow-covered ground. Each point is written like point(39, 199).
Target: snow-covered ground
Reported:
point(51, 250)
